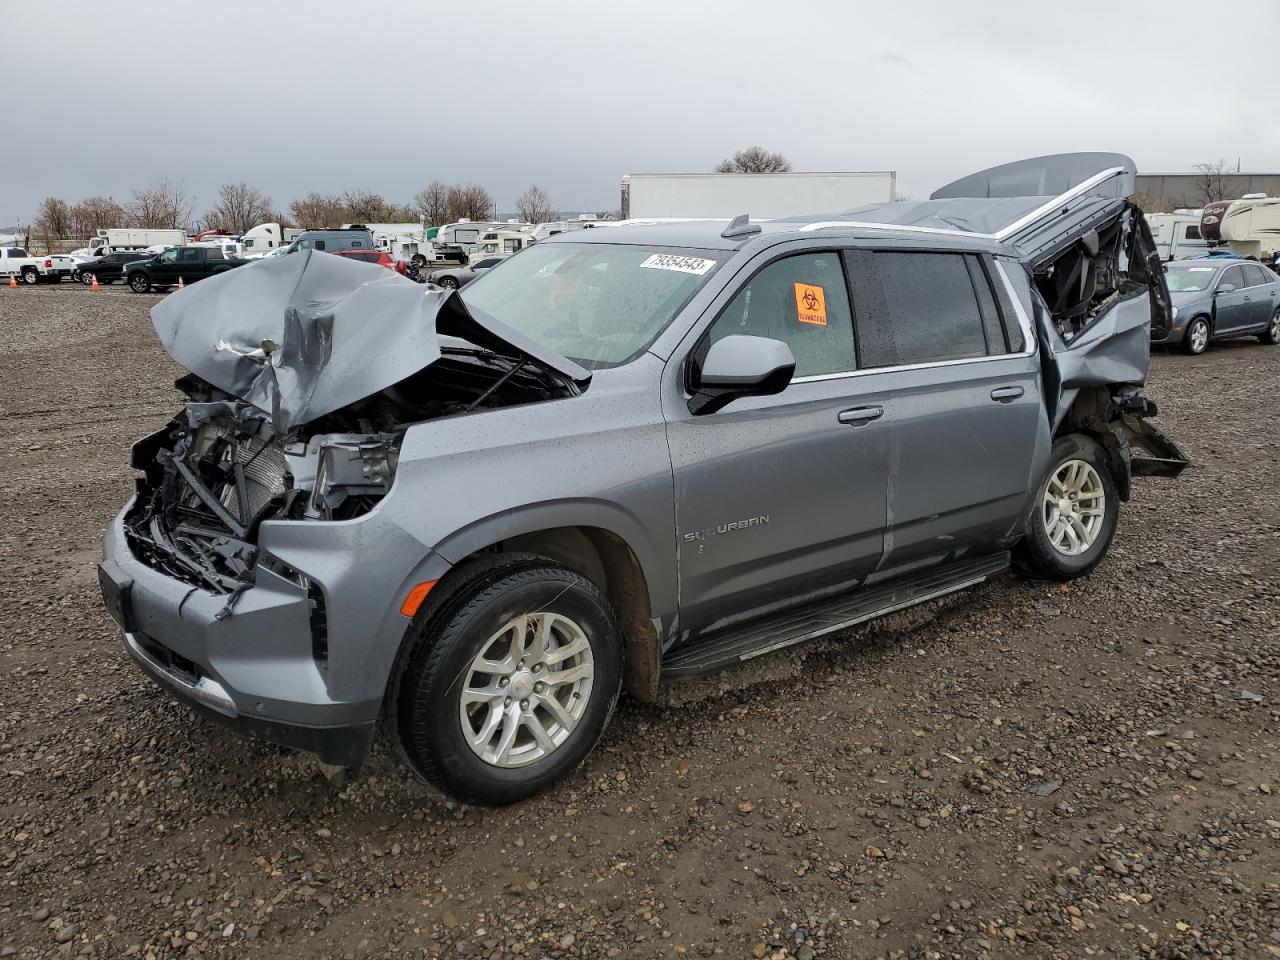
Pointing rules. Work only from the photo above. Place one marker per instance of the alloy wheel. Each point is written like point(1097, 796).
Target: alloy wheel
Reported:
point(1073, 508)
point(526, 690)
point(1199, 335)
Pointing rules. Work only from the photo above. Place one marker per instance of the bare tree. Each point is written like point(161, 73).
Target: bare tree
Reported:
point(470, 202)
point(755, 160)
point(238, 207)
point(534, 205)
point(96, 213)
point(161, 203)
point(53, 219)
point(1148, 202)
point(317, 210)
point(365, 206)
point(1211, 182)
point(432, 203)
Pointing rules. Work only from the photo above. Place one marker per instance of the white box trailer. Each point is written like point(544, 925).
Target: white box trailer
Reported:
point(117, 239)
point(762, 195)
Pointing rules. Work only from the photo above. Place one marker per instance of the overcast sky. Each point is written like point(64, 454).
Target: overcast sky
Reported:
point(571, 94)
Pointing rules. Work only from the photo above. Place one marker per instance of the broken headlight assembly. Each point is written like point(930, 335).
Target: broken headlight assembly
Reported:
point(345, 473)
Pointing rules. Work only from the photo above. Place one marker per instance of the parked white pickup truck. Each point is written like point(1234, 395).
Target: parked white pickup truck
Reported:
point(15, 262)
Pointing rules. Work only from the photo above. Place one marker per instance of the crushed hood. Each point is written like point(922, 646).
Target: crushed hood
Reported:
point(307, 334)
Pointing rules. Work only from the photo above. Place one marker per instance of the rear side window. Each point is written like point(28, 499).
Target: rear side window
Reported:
point(915, 308)
point(1021, 283)
point(801, 300)
point(1256, 274)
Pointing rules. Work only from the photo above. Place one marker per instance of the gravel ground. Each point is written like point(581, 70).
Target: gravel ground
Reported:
point(1028, 770)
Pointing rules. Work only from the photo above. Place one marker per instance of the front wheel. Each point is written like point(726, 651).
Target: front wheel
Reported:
point(1197, 337)
point(510, 682)
point(1271, 336)
point(86, 279)
point(1074, 514)
point(139, 283)
point(449, 283)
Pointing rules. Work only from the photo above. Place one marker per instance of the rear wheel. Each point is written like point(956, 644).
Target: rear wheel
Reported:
point(510, 682)
point(1074, 514)
point(1271, 335)
point(1197, 338)
point(30, 276)
point(139, 283)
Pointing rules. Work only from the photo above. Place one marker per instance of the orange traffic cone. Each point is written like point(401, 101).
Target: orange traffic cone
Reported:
point(94, 286)
point(180, 283)
point(13, 282)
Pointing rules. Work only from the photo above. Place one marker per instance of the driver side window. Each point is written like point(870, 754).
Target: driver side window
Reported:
point(803, 301)
point(1232, 279)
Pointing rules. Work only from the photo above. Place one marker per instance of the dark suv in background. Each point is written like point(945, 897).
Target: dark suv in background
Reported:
point(628, 454)
point(187, 264)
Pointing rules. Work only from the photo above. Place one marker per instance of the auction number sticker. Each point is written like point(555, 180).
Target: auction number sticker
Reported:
point(668, 261)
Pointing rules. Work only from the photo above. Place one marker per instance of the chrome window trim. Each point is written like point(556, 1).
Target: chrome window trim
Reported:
point(1024, 323)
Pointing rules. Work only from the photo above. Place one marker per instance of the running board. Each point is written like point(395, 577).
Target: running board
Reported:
point(787, 628)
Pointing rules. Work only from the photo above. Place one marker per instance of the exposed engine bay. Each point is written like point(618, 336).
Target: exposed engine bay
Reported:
point(221, 467)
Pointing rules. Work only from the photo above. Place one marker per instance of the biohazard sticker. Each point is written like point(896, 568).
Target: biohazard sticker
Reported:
point(667, 261)
point(811, 304)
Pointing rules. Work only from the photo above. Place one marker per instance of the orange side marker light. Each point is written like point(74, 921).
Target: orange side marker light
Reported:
point(414, 600)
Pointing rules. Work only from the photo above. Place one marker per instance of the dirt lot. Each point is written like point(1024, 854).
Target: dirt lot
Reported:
point(1026, 771)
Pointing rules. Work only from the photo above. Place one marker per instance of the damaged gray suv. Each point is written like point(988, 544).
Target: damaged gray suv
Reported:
point(626, 454)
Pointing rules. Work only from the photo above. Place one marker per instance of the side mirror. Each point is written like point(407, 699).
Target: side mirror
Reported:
point(1225, 288)
point(741, 366)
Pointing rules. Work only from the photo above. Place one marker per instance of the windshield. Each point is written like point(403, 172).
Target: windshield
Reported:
point(599, 305)
point(1186, 278)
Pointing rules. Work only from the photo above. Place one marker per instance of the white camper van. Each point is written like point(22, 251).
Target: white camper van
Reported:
point(1177, 234)
point(266, 238)
point(503, 242)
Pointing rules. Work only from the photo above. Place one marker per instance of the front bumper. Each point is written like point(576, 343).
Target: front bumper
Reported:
point(256, 665)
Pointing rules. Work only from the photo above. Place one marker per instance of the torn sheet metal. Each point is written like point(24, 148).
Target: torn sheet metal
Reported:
point(1115, 350)
point(307, 334)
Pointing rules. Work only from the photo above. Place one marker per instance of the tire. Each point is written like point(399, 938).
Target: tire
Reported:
point(418, 260)
point(1271, 336)
point(1037, 554)
point(139, 282)
point(86, 279)
point(475, 615)
point(30, 276)
point(1196, 339)
point(449, 283)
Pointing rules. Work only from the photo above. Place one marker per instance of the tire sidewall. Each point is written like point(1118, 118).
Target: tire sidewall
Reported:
point(1048, 560)
point(1198, 321)
point(1271, 335)
point(30, 277)
point(430, 728)
point(139, 283)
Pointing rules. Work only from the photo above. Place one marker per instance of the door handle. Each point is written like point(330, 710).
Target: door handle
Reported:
point(1006, 394)
point(861, 414)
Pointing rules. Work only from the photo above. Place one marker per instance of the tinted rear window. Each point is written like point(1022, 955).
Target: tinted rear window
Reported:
point(914, 308)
